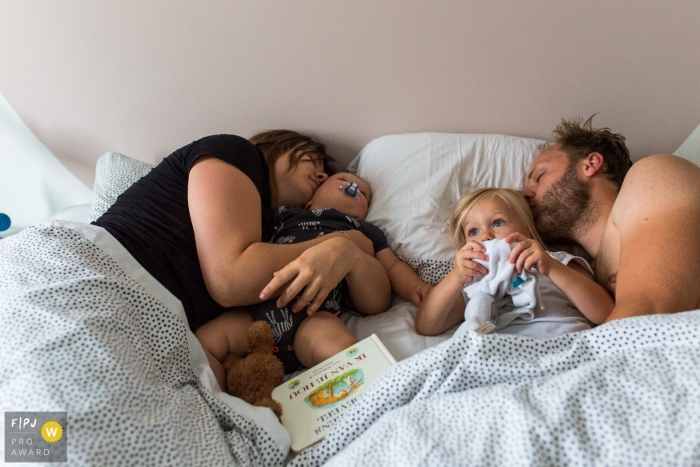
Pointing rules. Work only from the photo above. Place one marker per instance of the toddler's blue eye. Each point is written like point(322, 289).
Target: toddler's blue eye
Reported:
point(473, 232)
point(498, 223)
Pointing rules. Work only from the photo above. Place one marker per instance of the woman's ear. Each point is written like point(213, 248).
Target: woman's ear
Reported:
point(593, 163)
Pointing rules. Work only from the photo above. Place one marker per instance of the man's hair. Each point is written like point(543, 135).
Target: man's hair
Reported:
point(513, 199)
point(578, 139)
point(275, 143)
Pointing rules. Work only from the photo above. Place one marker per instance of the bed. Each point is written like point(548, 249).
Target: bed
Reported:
point(85, 330)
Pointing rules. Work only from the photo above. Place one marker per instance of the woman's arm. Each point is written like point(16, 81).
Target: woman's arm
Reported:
point(368, 283)
point(404, 280)
point(225, 209)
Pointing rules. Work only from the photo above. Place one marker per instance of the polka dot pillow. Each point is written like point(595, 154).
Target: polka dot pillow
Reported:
point(114, 174)
point(417, 178)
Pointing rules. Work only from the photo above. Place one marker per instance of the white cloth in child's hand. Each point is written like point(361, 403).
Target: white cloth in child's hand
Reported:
point(502, 295)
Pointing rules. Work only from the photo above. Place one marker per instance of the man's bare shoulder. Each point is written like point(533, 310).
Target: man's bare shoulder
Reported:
point(656, 214)
point(663, 167)
point(656, 182)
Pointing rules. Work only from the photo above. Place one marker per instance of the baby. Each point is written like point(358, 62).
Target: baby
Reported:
point(567, 289)
point(340, 204)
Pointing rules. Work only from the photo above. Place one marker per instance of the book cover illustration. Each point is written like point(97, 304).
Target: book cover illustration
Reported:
point(315, 399)
point(335, 390)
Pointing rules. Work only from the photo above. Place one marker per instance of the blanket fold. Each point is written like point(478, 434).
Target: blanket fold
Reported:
point(92, 334)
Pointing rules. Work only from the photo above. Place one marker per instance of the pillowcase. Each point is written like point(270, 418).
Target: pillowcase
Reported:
point(417, 178)
point(114, 174)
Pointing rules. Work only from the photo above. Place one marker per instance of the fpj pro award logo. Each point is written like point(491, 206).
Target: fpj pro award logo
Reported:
point(36, 437)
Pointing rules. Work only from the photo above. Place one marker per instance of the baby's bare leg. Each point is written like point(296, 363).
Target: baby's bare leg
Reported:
point(223, 335)
point(321, 336)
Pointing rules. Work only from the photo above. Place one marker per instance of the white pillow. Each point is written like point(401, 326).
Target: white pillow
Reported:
point(114, 174)
point(417, 178)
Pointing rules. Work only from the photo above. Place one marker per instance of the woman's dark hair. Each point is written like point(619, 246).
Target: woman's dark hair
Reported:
point(276, 143)
point(578, 139)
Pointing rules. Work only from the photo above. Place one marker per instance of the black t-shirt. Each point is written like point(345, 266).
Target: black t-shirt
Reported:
point(295, 225)
point(152, 219)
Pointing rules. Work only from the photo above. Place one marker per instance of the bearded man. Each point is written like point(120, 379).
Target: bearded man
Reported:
point(640, 223)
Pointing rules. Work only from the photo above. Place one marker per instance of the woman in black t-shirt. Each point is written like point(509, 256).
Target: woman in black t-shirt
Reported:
point(200, 221)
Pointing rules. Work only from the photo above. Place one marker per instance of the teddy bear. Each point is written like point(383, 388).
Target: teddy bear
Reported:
point(253, 377)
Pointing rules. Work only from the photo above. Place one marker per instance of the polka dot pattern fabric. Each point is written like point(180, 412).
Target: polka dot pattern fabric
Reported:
point(624, 394)
point(430, 271)
point(78, 334)
point(113, 175)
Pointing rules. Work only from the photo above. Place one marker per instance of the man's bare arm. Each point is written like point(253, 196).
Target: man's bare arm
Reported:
point(657, 214)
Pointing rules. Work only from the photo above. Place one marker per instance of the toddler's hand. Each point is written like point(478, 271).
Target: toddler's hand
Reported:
point(529, 253)
point(420, 292)
point(465, 267)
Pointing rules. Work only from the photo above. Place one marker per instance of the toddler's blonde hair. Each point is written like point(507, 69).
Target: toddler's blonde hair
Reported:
point(513, 199)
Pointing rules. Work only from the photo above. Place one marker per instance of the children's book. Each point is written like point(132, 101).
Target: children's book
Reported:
point(315, 399)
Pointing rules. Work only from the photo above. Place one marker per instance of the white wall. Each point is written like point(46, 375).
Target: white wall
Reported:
point(146, 77)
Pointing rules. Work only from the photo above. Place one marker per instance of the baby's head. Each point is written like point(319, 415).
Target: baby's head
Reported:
point(491, 213)
point(338, 193)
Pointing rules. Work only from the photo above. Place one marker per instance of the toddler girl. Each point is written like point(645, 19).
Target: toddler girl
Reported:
point(571, 298)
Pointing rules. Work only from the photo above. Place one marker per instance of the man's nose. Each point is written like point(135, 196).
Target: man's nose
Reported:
point(528, 193)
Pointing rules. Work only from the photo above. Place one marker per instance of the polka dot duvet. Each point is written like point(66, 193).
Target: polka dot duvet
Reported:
point(624, 394)
point(85, 330)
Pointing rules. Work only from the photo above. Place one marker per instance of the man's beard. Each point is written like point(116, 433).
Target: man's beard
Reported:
point(566, 210)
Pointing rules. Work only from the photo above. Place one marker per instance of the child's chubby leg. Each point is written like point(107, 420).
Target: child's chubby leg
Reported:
point(222, 335)
point(321, 336)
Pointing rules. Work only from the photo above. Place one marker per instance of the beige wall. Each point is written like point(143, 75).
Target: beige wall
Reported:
point(145, 77)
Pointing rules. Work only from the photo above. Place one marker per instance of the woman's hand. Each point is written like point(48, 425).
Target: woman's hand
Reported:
point(420, 292)
point(316, 271)
point(529, 253)
point(465, 267)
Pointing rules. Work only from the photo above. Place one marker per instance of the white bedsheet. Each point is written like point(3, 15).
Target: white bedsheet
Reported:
point(396, 329)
